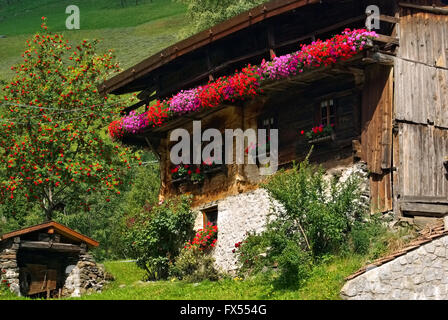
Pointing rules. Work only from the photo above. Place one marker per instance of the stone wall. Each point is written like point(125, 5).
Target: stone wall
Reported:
point(85, 277)
point(420, 274)
point(237, 215)
point(8, 264)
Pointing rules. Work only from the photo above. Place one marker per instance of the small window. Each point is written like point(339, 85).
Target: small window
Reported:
point(327, 112)
point(210, 215)
point(267, 122)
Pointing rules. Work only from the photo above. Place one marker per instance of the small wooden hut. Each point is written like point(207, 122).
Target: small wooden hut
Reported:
point(37, 260)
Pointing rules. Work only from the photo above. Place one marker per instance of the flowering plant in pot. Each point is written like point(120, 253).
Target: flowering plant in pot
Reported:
point(180, 172)
point(318, 132)
point(209, 165)
point(196, 176)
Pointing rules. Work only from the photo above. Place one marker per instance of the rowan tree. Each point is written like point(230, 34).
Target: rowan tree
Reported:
point(53, 146)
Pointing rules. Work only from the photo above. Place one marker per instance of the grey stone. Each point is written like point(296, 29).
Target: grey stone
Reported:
point(430, 247)
point(428, 274)
point(440, 251)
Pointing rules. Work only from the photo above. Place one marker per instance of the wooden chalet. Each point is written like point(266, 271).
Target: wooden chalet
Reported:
point(389, 103)
point(38, 259)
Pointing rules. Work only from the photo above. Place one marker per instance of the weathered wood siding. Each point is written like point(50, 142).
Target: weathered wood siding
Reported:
point(422, 150)
point(376, 136)
point(421, 112)
point(295, 109)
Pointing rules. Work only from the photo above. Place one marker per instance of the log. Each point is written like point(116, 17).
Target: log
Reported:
point(63, 247)
point(380, 58)
point(425, 209)
point(432, 9)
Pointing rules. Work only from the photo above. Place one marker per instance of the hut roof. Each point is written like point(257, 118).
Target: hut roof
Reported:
point(58, 228)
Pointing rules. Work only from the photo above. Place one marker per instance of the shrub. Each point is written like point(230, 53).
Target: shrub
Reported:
point(156, 236)
point(193, 265)
point(319, 212)
point(314, 220)
point(251, 252)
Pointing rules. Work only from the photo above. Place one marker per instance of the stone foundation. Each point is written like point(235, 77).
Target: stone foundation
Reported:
point(421, 274)
point(8, 264)
point(85, 277)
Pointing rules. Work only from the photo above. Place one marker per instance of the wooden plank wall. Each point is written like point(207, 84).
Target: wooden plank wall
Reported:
point(422, 149)
point(376, 135)
point(421, 108)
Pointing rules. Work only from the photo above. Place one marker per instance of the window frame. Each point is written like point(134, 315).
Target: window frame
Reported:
point(206, 212)
point(327, 118)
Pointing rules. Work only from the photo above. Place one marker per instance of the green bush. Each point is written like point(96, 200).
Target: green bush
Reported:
point(313, 222)
point(320, 212)
point(193, 265)
point(155, 237)
point(295, 265)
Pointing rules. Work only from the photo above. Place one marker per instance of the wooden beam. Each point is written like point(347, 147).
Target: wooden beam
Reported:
point(321, 31)
point(62, 247)
point(205, 75)
point(380, 58)
point(432, 9)
point(133, 107)
point(424, 209)
point(425, 199)
point(387, 39)
point(389, 19)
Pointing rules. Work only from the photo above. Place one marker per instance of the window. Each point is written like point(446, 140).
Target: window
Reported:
point(210, 215)
point(328, 112)
point(268, 122)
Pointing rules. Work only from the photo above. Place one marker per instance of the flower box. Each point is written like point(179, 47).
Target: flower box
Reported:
point(322, 139)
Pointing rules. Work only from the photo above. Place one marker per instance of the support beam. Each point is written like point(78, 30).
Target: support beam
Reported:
point(380, 58)
point(432, 9)
point(424, 209)
point(387, 39)
point(322, 31)
point(62, 247)
point(389, 19)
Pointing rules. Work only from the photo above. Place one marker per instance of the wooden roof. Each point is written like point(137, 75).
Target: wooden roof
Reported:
point(241, 21)
point(59, 228)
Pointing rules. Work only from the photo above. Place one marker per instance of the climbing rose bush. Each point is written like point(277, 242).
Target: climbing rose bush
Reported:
point(247, 83)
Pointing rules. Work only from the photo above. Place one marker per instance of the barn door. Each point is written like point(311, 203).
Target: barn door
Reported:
point(36, 278)
point(423, 171)
point(376, 134)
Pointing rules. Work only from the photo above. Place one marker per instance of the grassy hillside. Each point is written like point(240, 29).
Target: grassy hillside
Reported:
point(135, 31)
point(324, 284)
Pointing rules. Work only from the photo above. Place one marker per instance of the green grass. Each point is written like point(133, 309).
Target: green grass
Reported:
point(22, 17)
point(324, 284)
point(134, 32)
